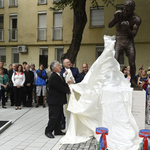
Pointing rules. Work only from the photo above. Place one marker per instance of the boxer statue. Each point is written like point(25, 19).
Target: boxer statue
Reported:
point(127, 24)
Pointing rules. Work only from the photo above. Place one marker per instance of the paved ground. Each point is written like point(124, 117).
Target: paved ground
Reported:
point(27, 131)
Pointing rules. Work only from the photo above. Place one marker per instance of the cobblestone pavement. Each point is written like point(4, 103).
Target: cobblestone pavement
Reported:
point(89, 145)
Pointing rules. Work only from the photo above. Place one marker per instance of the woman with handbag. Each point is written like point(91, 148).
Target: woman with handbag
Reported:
point(3, 86)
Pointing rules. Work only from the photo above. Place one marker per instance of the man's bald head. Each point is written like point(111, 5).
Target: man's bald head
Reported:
point(14, 66)
point(85, 67)
point(66, 63)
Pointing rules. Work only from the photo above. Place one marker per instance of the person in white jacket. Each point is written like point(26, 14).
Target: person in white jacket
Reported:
point(18, 79)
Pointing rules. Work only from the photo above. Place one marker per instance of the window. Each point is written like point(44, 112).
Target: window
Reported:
point(1, 27)
point(15, 55)
point(41, 30)
point(39, 2)
point(1, 3)
point(119, 7)
point(13, 27)
point(3, 54)
point(59, 50)
point(43, 58)
point(97, 17)
point(44, 50)
point(13, 3)
point(56, 1)
point(99, 50)
point(57, 29)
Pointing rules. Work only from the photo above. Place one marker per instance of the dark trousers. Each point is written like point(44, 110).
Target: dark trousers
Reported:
point(18, 92)
point(28, 102)
point(34, 90)
point(11, 95)
point(55, 114)
point(2, 95)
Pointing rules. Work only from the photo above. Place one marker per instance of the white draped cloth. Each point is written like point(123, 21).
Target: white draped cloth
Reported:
point(103, 99)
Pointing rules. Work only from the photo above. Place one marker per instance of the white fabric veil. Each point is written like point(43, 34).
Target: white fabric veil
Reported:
point(103, 99)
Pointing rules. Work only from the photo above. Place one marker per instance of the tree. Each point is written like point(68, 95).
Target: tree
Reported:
point(80, 21)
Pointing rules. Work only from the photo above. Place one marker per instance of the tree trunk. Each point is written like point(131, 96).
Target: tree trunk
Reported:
point(79, 25)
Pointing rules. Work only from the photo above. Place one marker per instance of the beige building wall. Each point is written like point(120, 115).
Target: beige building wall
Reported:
point(27, 22)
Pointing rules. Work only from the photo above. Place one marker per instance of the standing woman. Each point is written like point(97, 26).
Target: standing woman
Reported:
point(18, 79)
point(3, 86)
point(124, 71)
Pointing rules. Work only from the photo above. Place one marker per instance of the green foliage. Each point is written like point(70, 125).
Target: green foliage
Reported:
point(61, 4)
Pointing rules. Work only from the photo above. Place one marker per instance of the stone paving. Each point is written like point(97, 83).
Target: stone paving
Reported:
point(89, 145)
point(27, 131)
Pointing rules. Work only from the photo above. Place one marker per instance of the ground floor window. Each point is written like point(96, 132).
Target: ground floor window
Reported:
point(15, 55)
point(3, 54)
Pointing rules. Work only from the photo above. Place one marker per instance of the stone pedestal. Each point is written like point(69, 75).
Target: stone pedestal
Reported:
point(138, 107)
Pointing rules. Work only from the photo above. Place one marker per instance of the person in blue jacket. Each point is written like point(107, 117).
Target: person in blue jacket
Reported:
point(41, 84)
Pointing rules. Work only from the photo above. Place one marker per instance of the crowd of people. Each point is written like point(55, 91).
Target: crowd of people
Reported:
point(142, 81)
point(23, 84)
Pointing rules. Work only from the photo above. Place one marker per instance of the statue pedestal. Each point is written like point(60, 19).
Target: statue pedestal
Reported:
point(138, 107)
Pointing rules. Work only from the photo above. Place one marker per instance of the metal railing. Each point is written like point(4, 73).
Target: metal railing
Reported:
point(1, 3)
point(12, 34)
point(57, 33)
point(41, 34)
point(1, 34)
point(42, 2)
point(13, 3)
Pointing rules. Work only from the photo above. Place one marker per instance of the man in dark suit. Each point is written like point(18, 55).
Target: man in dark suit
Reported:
point(28, 86)
point(10, 73)
point(75, 72)
point(56, 99)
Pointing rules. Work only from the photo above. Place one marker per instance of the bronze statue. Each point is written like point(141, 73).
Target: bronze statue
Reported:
point(127, 24)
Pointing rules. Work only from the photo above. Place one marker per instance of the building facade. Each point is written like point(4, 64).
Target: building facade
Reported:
point(30, 32)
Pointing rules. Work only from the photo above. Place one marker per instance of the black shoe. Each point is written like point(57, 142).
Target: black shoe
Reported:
point(19, 108)
point(4, 107)
point(61, 133)
point(37, 106)
point(49, 135)
point(16, 108)
point(44, 106)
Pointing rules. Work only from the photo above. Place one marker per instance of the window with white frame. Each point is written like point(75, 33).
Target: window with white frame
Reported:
point(15, 55)
point(1, 28)
point(119, 7)
point(41, 30)
point(13, 28)
point(57, 29)
point(40, 2)
point(3, 54)
point(97, 17)
point(56, 1)
point(1, 3)
point(59, 51)
point(99, 50)
point(44, 50)
point(13, 3)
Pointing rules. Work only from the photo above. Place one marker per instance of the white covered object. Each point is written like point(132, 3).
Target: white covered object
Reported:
point(103, 99)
